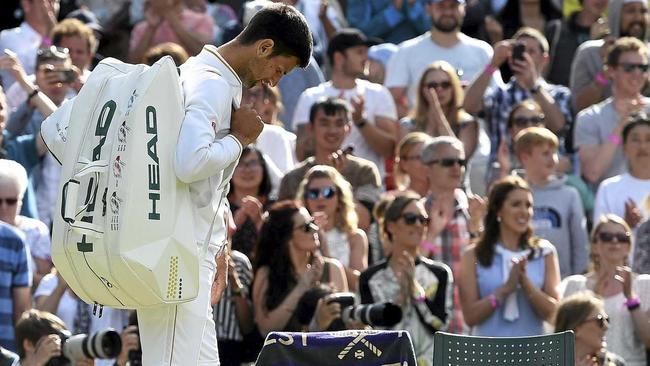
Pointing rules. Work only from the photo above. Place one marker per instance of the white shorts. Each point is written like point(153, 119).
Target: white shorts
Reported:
point(182, 334)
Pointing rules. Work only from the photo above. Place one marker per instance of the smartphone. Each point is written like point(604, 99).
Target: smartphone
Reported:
point(518, 51)
point(64, 76)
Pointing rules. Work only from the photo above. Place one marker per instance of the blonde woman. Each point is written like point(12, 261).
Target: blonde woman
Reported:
point(328, 197)
point(626, 295)
point(438, 108)
point(584, 314)
point(409, 170)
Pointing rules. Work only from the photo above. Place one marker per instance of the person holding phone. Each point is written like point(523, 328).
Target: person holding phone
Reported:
point(527, 55)
point(34, 98)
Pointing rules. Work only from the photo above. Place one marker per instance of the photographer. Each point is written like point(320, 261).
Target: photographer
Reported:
point(38, 339)
point(423, 288)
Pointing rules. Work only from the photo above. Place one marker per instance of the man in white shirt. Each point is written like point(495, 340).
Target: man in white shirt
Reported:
point(628, 195)
point(374, 119)
point(34, 31)
point(444, 42)
point(213, 132)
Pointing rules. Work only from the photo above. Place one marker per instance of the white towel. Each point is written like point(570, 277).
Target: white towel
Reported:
point(510, 306)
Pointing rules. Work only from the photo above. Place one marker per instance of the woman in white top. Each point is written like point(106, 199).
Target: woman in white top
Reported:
point(328, 197)
point(626, 295)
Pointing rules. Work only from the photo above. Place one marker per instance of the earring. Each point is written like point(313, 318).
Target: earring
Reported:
point(498, 218)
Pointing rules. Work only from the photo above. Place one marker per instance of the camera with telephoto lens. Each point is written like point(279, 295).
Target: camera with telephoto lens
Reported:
point(105, 344)
point(384, 314)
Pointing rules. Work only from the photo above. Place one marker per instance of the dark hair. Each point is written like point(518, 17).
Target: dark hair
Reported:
point(526, 103)
point(272, 250)
point(265, 185)
point(498, 194)
point(330, 106)
point(636, 120)
point(286, 27)
point(395, 208)
point(52, 53)
point(33, 325)
point(510, 16)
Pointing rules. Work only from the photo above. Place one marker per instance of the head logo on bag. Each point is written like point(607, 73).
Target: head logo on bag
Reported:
point(154, 169)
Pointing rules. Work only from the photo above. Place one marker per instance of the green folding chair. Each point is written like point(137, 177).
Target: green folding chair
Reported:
point(546, 350)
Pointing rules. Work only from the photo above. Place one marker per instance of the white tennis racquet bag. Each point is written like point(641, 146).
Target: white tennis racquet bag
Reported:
point(123, 230)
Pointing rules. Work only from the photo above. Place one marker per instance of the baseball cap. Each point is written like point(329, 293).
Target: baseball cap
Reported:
point(88, 18)
point(346, 38)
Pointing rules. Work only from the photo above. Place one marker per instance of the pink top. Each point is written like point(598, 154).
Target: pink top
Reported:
point(198, 23)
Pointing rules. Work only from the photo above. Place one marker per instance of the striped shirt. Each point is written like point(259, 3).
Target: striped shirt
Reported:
point(14, 272)
point(224, 311)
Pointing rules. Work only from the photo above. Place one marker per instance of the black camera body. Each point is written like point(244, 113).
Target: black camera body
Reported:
point(381, 314)
point(105, 344)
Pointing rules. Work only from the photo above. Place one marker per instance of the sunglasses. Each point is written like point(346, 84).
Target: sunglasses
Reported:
point(448, 162)
point(250, 164)
point(602, 320)
point(410, 219)
point(435, 85)
point(308, 226)
point(528, 121)
point(9, 201)
point(325, 192)
point(610, 237)
point(627, 67)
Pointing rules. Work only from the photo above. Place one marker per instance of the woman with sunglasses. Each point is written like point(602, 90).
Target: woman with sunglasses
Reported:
point(328, 196)
point(438, 108)
point(524, 114)
point(583, 313)
point(249, 195)
point(625, 294)
point(508, 279)
point(287, 266)
point(420, 286)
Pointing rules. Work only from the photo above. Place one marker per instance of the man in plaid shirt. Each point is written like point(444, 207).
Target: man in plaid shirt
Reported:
point(496, 103)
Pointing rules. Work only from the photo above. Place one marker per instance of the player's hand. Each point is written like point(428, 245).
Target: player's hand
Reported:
point(246, 125)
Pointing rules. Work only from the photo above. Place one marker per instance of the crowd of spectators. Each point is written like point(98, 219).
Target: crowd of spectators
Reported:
point(482, 164)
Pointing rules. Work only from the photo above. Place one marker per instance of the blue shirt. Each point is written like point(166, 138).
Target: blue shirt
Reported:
point(14, 272)
point(380, 18)
point(491, 278)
